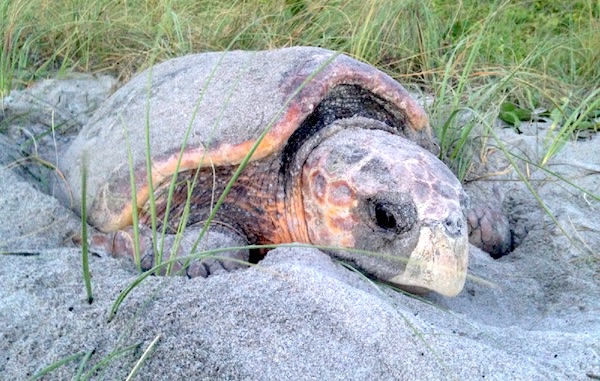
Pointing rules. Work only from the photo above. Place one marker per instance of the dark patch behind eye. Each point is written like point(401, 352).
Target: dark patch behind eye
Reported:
point(343, 101)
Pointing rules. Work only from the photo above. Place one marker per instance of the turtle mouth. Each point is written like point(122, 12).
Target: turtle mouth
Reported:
point(438, 262)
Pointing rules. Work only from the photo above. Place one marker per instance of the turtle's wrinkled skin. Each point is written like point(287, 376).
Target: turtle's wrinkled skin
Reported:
point(348, 161)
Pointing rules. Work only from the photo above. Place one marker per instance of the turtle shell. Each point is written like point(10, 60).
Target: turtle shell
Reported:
point(220, 104)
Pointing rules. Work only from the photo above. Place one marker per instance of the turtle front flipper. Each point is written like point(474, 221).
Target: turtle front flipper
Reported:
point(489, 229)
point(120, 244)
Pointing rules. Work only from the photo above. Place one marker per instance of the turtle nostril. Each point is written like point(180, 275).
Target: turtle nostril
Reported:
point(385, 218)
point(454, 225)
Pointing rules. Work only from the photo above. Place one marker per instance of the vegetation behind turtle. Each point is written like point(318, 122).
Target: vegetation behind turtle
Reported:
point(545, 53)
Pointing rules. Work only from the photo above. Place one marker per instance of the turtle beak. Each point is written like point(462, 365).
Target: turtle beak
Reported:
point(438, 262)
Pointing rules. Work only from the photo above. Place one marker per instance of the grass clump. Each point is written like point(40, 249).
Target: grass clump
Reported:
point(470, 55)
point(408, 38)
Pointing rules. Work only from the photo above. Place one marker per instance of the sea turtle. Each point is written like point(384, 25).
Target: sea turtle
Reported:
point(347, 160)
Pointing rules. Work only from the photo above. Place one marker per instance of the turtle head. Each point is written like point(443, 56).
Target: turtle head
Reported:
point(371, 190)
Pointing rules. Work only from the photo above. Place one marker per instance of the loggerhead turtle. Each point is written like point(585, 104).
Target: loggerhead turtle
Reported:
point(347, 161)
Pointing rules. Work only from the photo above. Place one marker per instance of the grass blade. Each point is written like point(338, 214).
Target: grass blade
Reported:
point(56, 365)
point(84, 233)
point(140, 362)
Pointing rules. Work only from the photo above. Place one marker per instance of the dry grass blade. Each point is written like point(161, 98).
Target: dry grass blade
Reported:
point(144, 357)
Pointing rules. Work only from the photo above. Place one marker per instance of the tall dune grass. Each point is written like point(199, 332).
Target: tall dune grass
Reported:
point(470, 54)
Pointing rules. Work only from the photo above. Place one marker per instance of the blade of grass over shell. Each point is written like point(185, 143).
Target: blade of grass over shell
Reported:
point(134, 215)
point(181, 226)
point(84, 233)
point(148, 153)
point(165, 221)
point(228, 98)
point(159, 252)
point(235, 81)
point(250, 153)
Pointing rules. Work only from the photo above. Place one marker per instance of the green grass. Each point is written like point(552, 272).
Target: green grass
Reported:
point(411, 39)
point(84, 359)
point(471, 55)
point(84, 234)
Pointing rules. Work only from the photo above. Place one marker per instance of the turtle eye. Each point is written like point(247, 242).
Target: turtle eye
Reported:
point(392, 216)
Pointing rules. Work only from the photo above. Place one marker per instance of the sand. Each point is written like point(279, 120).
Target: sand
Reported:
point(531, 315)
